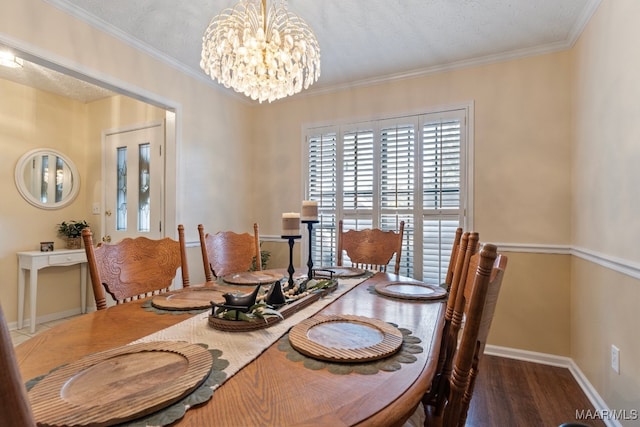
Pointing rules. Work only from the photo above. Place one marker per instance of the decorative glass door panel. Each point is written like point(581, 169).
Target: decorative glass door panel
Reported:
point(144, 185)
point(121, 189)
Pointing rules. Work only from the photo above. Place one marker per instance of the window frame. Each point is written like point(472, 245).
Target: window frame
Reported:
point(464, 111)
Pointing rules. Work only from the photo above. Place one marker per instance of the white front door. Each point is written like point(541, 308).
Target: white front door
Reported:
point(134, 183)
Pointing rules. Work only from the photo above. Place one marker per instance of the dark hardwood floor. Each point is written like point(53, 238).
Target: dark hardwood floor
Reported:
point(514, 393)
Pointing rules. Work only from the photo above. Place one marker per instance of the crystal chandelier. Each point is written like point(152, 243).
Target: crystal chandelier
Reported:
point(266, 54)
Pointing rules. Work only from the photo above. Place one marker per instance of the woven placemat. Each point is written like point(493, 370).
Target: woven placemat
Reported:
point(392, 363)
point(176, 411)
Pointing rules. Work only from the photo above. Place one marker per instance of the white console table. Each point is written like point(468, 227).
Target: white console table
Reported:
point(36, 260)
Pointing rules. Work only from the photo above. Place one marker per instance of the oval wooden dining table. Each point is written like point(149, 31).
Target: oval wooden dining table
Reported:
point(271, 390)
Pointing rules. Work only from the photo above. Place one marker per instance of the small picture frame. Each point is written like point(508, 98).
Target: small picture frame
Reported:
point(46, 246)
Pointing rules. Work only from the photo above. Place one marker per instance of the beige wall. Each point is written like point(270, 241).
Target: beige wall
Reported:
point(522, 141)
point(213, 139)
point(606, 155)
point(213, 185)
point(555, 140)
point(231, 174)
point(522, 173)
point(32, 119)
point(36, 119)
point(532, 313)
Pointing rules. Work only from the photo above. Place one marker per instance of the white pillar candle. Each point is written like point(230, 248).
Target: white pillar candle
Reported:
point(291, 224)
point(309, 210)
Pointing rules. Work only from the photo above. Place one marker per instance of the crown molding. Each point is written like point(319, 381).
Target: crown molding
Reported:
point(452, 66)
point(104, 26)
point(107, 28)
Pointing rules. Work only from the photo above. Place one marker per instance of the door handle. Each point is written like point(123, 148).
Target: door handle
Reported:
point(107, 212)
point(106, 239)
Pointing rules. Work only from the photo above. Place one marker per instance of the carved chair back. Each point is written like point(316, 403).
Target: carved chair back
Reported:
point(370, 249)
point(134, 268)
point(228, 252)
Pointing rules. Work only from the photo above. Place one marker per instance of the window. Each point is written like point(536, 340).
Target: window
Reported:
point(378, 173)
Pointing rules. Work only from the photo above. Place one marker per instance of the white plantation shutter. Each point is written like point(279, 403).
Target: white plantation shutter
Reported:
point(397, 167)
point(436, 248)
point(357, 170)
point(322, 187)
point(378, 173)
point(397, 184)
point(441, 164)
point(392, 222)
point(358, 166)
point(441, 192)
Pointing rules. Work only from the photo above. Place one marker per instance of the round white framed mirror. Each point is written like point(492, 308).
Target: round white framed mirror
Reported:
point(47, 179)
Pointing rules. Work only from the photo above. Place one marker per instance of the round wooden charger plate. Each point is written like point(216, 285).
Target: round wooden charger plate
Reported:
point(253, 277)
point(345, 338)
point(411, 290)
point(343, 272)
point(120, 384)
point(188, 299)
point(260, 277)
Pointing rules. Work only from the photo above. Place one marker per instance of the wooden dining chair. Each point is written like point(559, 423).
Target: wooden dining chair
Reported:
point(479, 298)
point(476, 340)
point(452, 259)
point(134, 268)
point(15, 409)
point(228, 252)
point(372, 248)
point(466, 249)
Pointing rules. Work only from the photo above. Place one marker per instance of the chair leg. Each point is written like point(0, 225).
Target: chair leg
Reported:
point(468, 394)
point(430, 397)
point(459, 383)
point(442, 392)
point(15, 408)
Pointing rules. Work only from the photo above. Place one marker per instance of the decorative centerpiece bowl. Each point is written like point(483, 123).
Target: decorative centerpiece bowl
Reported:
point(235, 317)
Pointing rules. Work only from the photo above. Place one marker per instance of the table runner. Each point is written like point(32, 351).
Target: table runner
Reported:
point(240, 348)
point(231, 351)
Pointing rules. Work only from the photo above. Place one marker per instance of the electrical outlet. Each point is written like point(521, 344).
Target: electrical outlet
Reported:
point(615, 359)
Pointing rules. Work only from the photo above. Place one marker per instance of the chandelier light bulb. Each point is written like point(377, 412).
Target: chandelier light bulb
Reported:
point(266, 53)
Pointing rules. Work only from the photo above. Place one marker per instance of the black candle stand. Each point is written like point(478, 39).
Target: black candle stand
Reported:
point(310, 260)
point(291, 270)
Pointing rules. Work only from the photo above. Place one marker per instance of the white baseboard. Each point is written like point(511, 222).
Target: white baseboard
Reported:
point(48, 318)
point(563, 362)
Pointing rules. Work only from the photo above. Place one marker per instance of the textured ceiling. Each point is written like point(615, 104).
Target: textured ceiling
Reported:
point(48, 80)
point(361, 41)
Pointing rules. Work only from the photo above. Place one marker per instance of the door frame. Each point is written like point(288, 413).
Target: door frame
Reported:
point(105, 134)
point(170, 176)
point(173, 109)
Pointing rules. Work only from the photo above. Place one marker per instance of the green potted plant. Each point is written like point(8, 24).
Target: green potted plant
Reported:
point(72, 232)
